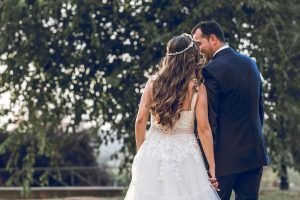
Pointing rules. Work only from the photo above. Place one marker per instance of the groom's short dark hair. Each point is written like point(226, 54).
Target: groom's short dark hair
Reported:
point(210, 27)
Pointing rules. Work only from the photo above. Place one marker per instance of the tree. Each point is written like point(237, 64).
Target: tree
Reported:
point(76, 61)
point(277, 54)
point(69, 151)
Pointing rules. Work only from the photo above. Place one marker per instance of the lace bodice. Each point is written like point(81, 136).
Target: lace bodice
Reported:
point(184, 124)
point(170, 147)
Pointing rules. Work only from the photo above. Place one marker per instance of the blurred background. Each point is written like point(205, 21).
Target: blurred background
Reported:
point(72, 73)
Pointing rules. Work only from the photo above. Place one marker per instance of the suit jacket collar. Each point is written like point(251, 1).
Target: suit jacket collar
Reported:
point(222, 52)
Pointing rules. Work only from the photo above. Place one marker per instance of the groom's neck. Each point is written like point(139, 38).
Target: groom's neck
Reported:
point(218, 46)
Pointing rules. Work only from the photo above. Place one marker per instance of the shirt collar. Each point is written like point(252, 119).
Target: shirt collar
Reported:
point(220, 49)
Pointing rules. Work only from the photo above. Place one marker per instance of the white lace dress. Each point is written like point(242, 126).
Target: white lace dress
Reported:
point(169, 164)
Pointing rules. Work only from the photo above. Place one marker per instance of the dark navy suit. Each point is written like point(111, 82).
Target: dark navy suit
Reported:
point(236, 114)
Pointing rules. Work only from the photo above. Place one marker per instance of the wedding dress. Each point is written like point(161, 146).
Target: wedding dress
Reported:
point(169, 164)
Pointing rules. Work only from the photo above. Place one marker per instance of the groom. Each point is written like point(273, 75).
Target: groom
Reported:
point(234, 89)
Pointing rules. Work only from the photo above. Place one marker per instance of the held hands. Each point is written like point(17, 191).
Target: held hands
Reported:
point(213, 180)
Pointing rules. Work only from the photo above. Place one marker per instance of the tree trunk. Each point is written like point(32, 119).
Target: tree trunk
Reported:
point(284, 181)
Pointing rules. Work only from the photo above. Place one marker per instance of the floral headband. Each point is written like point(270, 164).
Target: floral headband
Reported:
point(189, 46)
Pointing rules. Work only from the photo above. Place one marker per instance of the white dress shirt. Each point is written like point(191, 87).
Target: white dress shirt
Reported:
point(220, 49)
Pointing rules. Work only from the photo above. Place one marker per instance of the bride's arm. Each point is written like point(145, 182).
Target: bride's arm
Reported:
point(143, 115)
point(204, 130)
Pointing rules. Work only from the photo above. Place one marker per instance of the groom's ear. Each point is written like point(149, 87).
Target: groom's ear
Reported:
point(213, 39)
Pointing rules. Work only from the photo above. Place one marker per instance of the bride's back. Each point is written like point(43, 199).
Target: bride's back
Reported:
point(186, 120)
point(172, 89)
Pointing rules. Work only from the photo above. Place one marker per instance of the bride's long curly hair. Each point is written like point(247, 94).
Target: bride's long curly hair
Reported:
point(171, 83)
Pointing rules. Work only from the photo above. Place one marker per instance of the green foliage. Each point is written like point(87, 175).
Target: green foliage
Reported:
point(72, 61)
point(67, 151)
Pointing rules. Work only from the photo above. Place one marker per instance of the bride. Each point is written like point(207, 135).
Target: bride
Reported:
point(169, 164)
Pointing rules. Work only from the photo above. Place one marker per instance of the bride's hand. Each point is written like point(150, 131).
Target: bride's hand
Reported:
point(213, 179)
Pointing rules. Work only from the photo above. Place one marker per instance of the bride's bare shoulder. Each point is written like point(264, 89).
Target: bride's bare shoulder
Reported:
point(201, 89)
point(153, 77)
point(193, 85)
point(150, 81)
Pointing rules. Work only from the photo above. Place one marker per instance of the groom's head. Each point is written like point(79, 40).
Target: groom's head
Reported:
point(209, 36)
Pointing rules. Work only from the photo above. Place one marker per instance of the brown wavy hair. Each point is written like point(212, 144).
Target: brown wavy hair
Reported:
point(171, 83)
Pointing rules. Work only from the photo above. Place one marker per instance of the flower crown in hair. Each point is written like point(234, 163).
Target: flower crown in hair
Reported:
point(190, 45)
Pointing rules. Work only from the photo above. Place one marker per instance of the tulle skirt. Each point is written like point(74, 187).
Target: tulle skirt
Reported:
point(169, 167)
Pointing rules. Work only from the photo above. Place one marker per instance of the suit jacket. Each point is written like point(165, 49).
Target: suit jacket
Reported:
point(236, 113)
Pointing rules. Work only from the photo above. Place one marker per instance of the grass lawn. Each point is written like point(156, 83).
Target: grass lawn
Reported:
point(280, 195)
point(268, 195)
point(268, 188)
point(277, 195)
point(274, 195)
point(264, 195)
